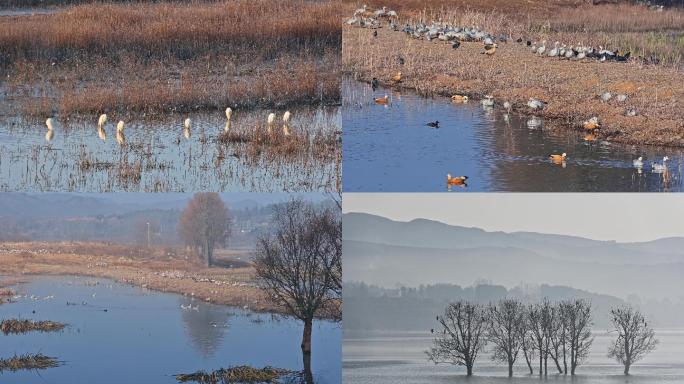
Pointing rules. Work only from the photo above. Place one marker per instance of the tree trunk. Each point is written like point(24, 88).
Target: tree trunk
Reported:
point(469, 369)
point(529, 362)
point(306, 338)
point(555, 360)
point(510, 369)
point(627, 368)
point(541, 362)
point(308, 375)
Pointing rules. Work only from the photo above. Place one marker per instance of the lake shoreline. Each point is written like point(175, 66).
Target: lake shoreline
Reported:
point(572, 89)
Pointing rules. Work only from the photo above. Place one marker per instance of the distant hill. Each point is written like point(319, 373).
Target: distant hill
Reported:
point(385, 252)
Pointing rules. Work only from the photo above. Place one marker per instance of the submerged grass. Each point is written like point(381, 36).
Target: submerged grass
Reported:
point(162, 57)
point(28, 362)
point(15, 326)
point(240, 374)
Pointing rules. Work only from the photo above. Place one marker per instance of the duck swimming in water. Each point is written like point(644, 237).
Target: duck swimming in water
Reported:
point(375, 84)
point(381, 100)
point(433, 124)
point(558, 158)
point(459, 180)
point(659, 168)
point(459, 99)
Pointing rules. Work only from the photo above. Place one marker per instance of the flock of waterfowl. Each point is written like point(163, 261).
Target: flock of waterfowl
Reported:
point(366, 17)
point(187, 126)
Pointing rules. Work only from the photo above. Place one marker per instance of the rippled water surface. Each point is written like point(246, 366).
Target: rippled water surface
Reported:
point(160, 156)
point(398, 357)
point(390, 148)
point(146, 337)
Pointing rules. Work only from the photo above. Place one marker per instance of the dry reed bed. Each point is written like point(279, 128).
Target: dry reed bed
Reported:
point(161, 57)
point(16, 326)
point(515, 74)
point(28, 362)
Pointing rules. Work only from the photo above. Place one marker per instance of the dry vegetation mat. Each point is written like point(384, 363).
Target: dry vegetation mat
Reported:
point(165, 57)
point(571, 88)
point(28, 362)
point(240, 374)
point(15, 326)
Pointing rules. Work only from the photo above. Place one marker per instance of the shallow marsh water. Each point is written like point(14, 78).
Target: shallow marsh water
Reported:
point(399, 357)
point(146, 337)
point(390, 148)
point(158, 157)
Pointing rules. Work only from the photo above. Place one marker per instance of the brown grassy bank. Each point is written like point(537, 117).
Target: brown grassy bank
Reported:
point(515, 74)
point(163, 57)
point(160, 270)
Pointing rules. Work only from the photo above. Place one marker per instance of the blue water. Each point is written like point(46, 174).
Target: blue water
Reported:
point(145, 336)
point(390, 148)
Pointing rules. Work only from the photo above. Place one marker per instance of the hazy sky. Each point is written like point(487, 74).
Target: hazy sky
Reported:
point(609, 216)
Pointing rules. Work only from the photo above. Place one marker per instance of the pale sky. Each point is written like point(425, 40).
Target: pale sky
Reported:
point(622, 217)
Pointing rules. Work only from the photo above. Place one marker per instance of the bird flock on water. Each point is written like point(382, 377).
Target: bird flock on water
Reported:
point(187, 126)
point(374, 19)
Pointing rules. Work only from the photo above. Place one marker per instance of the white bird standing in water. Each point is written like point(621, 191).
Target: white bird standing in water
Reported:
point(286, 123)
point(187, 124)
point(100, 127)
point(120, 137)
point(271, 119)
point(229, 113)
point(51, 132)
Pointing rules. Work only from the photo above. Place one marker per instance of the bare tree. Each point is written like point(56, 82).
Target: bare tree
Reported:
point(506, 331)
point(635, 338)
point(528, 344)
point(300, 263)
point(535, 321)
point(205, 224)
point(577, 321)
point(462, 337)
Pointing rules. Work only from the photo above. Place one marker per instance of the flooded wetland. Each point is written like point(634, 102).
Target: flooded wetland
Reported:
point(152, 336)
point(164, 156)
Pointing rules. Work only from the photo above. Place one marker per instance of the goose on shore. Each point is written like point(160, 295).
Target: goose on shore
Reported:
point(606, 96)
point(592, 124)
point(535, 103)
point(488, 101)
point(541, 49)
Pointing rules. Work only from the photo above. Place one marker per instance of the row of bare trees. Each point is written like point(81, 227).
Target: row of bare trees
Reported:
point(541, 333)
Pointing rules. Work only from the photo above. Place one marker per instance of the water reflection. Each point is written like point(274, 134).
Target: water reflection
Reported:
point(164, 156)
point(151, 337)
point(391, 149)
point(204, 326)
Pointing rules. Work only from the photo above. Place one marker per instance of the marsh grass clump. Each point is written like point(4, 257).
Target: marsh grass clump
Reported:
point(28, 362)
point(15, 326)
point(240, 374)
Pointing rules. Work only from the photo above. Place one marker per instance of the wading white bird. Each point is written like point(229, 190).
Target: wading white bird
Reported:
point(659, 168)
point(488, 101)
point(638, 163)
point(187, 124)
point(229, 113)
point(50, 132)
point(286, 123)
point(120, 137)
point(270, 120)
point(102, 120)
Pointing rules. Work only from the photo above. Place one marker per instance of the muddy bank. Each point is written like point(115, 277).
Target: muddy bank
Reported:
point(572, 89)
point(234, 287)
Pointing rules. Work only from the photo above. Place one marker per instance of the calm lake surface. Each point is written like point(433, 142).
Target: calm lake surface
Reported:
point(390, 148)
point(145, 336)
point(158, 157)
point(399, 357)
